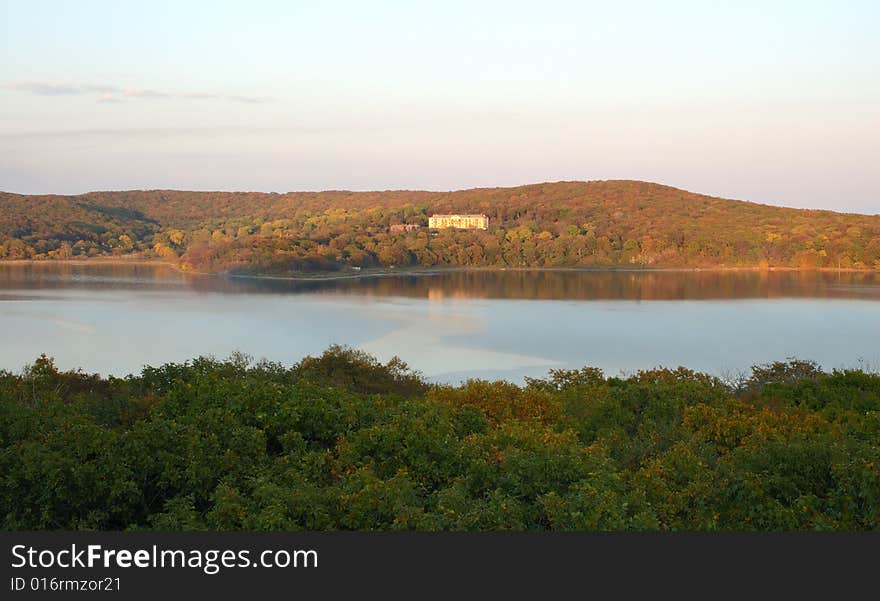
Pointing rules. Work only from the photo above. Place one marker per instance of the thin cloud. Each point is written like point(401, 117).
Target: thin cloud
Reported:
point(178, 131)
point(142, 93)
point(200, 96)
point(247, 99)
point(109, 98)
point(43, 88)
point(107, 93)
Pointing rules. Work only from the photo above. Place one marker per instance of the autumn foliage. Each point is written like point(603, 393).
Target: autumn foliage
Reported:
point(563, 224)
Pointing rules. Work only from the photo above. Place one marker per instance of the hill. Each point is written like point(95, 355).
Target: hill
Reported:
point(562, 224)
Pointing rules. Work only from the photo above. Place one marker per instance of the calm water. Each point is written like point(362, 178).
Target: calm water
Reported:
point(451, 326)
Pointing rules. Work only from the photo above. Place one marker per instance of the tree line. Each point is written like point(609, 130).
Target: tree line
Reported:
point(563, 224)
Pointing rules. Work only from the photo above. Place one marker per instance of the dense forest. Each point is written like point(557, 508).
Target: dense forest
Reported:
point(563, 224)
point(341, 441)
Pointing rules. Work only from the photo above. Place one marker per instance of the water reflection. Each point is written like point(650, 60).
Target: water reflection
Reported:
point(446, 285)
point(450, 325)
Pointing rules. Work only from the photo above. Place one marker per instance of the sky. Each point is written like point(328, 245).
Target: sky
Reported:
point(771, 101)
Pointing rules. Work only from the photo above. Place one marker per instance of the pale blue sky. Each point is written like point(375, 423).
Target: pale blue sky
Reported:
point(776, 102)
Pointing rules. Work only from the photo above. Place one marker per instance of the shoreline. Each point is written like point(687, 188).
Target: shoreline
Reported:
point(376, 272)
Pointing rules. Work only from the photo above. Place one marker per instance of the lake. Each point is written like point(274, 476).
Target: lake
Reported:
point(452, 325)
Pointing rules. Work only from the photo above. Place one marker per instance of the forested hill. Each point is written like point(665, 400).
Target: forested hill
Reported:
point(563, 224)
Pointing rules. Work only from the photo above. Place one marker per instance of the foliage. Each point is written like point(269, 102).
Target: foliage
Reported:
point(342, 441)
point(563, 224)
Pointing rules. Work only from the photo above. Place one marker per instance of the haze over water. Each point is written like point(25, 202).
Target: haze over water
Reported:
point(453, 325)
